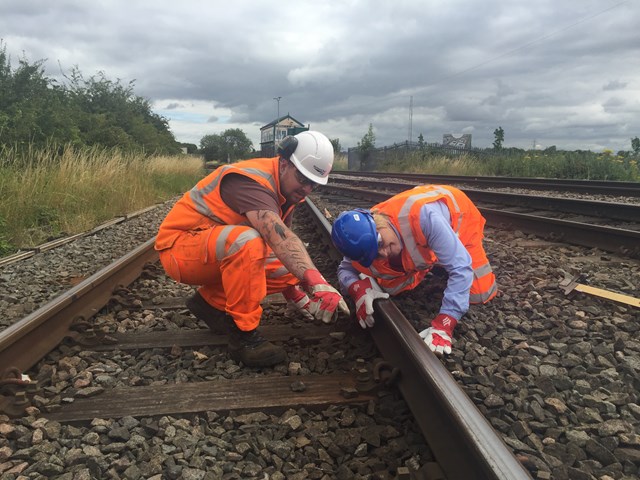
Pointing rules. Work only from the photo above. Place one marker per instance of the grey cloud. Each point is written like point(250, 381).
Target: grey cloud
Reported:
point(614, 85)
point(531, 68)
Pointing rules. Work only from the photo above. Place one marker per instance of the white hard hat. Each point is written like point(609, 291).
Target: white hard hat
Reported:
point(313, 156)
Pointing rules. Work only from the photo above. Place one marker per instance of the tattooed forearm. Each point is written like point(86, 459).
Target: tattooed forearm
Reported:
point(285, 244)
point(280, 231)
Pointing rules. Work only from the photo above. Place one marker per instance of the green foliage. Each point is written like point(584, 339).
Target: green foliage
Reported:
point(368, 141)
point(499, 138)
point(46, 194)
point(422, 146)
point(5, 246)
point(366, 147)
point(36, 111)
point(337, 148)
point(232, 144)
point(635, 146)
point(514, 162)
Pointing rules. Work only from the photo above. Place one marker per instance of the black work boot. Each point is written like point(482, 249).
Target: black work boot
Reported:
point(253, 349)
point(218, 321)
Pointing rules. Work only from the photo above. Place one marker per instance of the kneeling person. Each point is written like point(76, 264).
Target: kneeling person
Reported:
point(399, 240)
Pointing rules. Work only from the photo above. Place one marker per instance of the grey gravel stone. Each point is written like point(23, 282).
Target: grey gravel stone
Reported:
point(565, 369)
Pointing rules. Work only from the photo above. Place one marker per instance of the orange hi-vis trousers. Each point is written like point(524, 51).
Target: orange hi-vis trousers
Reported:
point(233, 266)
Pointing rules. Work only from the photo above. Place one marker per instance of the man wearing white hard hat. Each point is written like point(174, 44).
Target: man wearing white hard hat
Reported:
point(231, 235)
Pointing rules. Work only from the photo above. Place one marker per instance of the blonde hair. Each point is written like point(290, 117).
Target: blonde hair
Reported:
point(380, 219)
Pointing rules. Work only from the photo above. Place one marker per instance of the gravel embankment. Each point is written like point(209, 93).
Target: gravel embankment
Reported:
point(28, 284)
point(341, 442)
point(558, 376)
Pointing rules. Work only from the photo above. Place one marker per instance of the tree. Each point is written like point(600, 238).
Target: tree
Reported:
point(635, 146)
point(337, 148)
point(422, 146)
point(366, 147)
point(232, 144)
point(499, 138)
point(121, 111)
point(36, 111)
point(33, 109)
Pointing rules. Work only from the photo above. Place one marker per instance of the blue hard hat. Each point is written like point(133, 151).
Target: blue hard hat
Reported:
point(354, 234)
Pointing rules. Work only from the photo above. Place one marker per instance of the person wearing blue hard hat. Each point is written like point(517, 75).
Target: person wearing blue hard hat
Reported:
point(397, 243)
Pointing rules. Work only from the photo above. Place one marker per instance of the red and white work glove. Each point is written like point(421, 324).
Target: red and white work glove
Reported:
point(298, 300)
point(364, 293)
point(438, 336)
point(325, 300)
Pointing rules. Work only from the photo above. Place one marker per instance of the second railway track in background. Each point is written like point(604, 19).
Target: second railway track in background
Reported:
point(521, 339)
point(591, 187)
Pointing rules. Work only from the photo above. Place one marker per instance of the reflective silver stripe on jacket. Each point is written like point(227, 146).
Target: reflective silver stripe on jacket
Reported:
point(197, 195)
point(405, 224)
point(482, 270)
point(399, 288)
point(238, 243)
point(483, 297)
point(386, 276)
point(478, 273)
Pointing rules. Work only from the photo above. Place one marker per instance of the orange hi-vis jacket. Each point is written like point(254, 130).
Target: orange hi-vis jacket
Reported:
point(202, 207)
point(202, 241)
point(417, 258)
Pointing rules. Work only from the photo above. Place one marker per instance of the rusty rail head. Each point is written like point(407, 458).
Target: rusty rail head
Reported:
point(24, 343)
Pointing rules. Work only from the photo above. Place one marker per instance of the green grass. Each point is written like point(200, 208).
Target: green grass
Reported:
point(572, 165)
point(61, 191)
point(54, 192)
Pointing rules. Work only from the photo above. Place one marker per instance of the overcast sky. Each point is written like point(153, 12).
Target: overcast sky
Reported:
point(553, 72)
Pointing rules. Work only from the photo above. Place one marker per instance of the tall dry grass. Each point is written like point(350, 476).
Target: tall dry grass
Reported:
point(340, 162)
point(51, 192)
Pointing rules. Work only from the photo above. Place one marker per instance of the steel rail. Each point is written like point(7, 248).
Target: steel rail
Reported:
point(463, 441)
point(616, 240)
point(461, 438)
point(627, 189)
point(24, 343)
point(611, 239)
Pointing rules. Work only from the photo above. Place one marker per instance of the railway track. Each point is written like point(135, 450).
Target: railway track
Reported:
point(591, 187)
point(355, 384)
point(536, 399)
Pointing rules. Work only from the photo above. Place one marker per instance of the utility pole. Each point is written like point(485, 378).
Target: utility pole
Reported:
point(275, 124)
point(277, 99)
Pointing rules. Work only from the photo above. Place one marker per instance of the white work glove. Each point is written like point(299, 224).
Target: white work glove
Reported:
point(325, 300)
point(298, 301)
point(438, 336)
point(364, 293)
